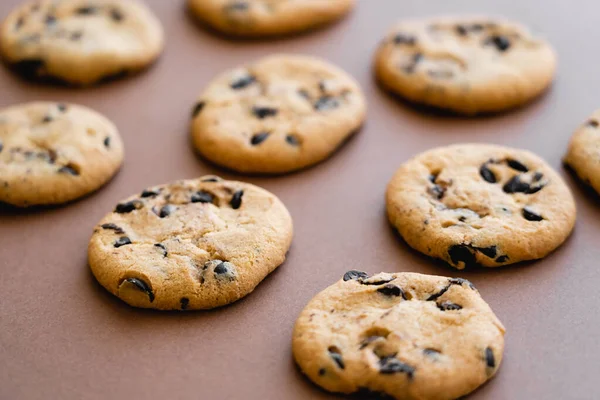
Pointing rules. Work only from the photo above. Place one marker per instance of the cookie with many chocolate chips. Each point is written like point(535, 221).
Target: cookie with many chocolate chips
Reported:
point(80, 42)
point(52, 153)
point(467, 65)
point(584, 152)
point(399, 336)
point(261, 18)
point(477, 204)
point(280, 114)
point(192, 244)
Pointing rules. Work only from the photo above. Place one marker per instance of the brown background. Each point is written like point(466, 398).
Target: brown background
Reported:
point(62, 336)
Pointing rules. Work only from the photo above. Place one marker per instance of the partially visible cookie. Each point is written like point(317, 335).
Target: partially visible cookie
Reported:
point(260, 18)
point(52, 153)
point(400, 336)
point(80, 42)
point(192, 244)
point(280, 114)
point(467, 65)
point(477, 204)
point(583, 155)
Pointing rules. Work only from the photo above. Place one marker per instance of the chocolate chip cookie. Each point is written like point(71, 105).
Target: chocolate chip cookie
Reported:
point(192, 244)
point(399, 336)
point(467, 65)
point(52, 153)
point(280, 114)
point(477, 204)
point(80, 42)
point(260, 18)
point(583, 155)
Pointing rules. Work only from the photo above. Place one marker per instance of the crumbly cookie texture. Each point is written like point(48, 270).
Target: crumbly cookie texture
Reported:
point(280, 114)
point(477, 204)
point(399, 336)
point(468, 65)
point(80, 42)
point(583, 154)
point(262, 18)
point(191, 244)
point(52, 153)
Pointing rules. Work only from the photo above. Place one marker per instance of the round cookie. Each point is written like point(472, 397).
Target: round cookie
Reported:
point(80, 42)
point(52, 153)
point(583, 155)
point(401, 336)
point(280, 114)
point(477, 204)
point(191, 244)
point(468, 65)
point(261, 18)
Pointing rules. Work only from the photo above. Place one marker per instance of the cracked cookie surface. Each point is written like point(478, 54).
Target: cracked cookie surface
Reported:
point(402, 336)
point(52, 153)
point(80, 42)
point(260, 18)
point(467, 65)
point(191, 244)
point(279, 114)
point(583, 154)
point(477, 204)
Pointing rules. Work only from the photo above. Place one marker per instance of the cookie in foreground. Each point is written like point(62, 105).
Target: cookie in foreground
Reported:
point(191, 244)
point(400, 335)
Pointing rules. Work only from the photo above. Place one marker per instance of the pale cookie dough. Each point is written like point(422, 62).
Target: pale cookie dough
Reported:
point(80, 42)
point(192, 244)
point(52, 153)
point(583, 155)
point(467, 65)
point(478, 204)
point(400, 336)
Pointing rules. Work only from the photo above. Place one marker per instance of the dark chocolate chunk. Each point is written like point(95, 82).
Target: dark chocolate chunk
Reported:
point(47, 119)
point(392, 290)
point(377, 282)
point(69, 170)
point(116, 15)
point(185, 302)
point(437, 191)
point(449, 306)
point(167, 210)
point(435, 296)
point(243, 82)
point(593, 123)
point(162, 248)
point(202, 196)
point(502, 43)
point(322, 371)
point(221, 269)
point(124, 208)
point(264, 112)
point(113, 227)
point(461, 281)
point(150, 193)
point(431, 352)
point(530, 215)
point(211, 179)
point(487, 251)
point(292, 140)
point(355, 275)
point(20, 22)
point(487, 174)
point(86, 10)
point(401, 38)
point(259, 138)
point(236, 200)
point(198, 108)
point(141, 286)
point(61, 107)
point(336, 356)
point(516, 185)
point(461, 30)
point(490, 361)
point(326, 103)
point(122, 241)
point(391, 365)
point(537, 177)
point(462, 253)
point(107, 142)
point(516, 165)
point(502, 259)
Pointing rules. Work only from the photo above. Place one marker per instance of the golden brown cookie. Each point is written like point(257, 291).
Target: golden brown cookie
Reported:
point(583, 154)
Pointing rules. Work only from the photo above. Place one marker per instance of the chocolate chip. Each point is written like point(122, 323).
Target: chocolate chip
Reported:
point(167, 210)
point(530, 215)
point(211, 179)
point(487, 174)
point(107, 142)
point(487, 251)
point(431, 352)
point(490, 361)
point(259, 138)
point(122, 241)
point(437, 191)
point(243, 82)
point(198, 108)
point(402, 38)
point(116, 15)
point(47, 119)
point(502, 43)
point(461, 281)
point(162, 248)
point(502, 259)
point(236, 200)
point(392, 290)
point(1, 146)
point(593, 123)
point(90, 10)
point(20, 22)
point(376, 282)
point(435, 296)
point(62, 107)
point(30, 68)
point(449, 306)
point(141, 286)
point(76, 35)
point(462, 253)
point(113, 227)
point(461, 30)
point(322, 371)
point(264, 112)
point(124, 208)
point(355, 275)
point(326, 103)
point(391, 365)
point(69, 170)
point(336, 356)
point(185, 302)
point(292, 140)
point(537, 176)
point(50, 20)
point(150, 193)
point(516, 165)
point(516, 185)
point(224, 270)
point(202, 196)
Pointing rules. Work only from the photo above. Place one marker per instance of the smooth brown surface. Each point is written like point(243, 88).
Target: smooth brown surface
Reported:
point(62, 336)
